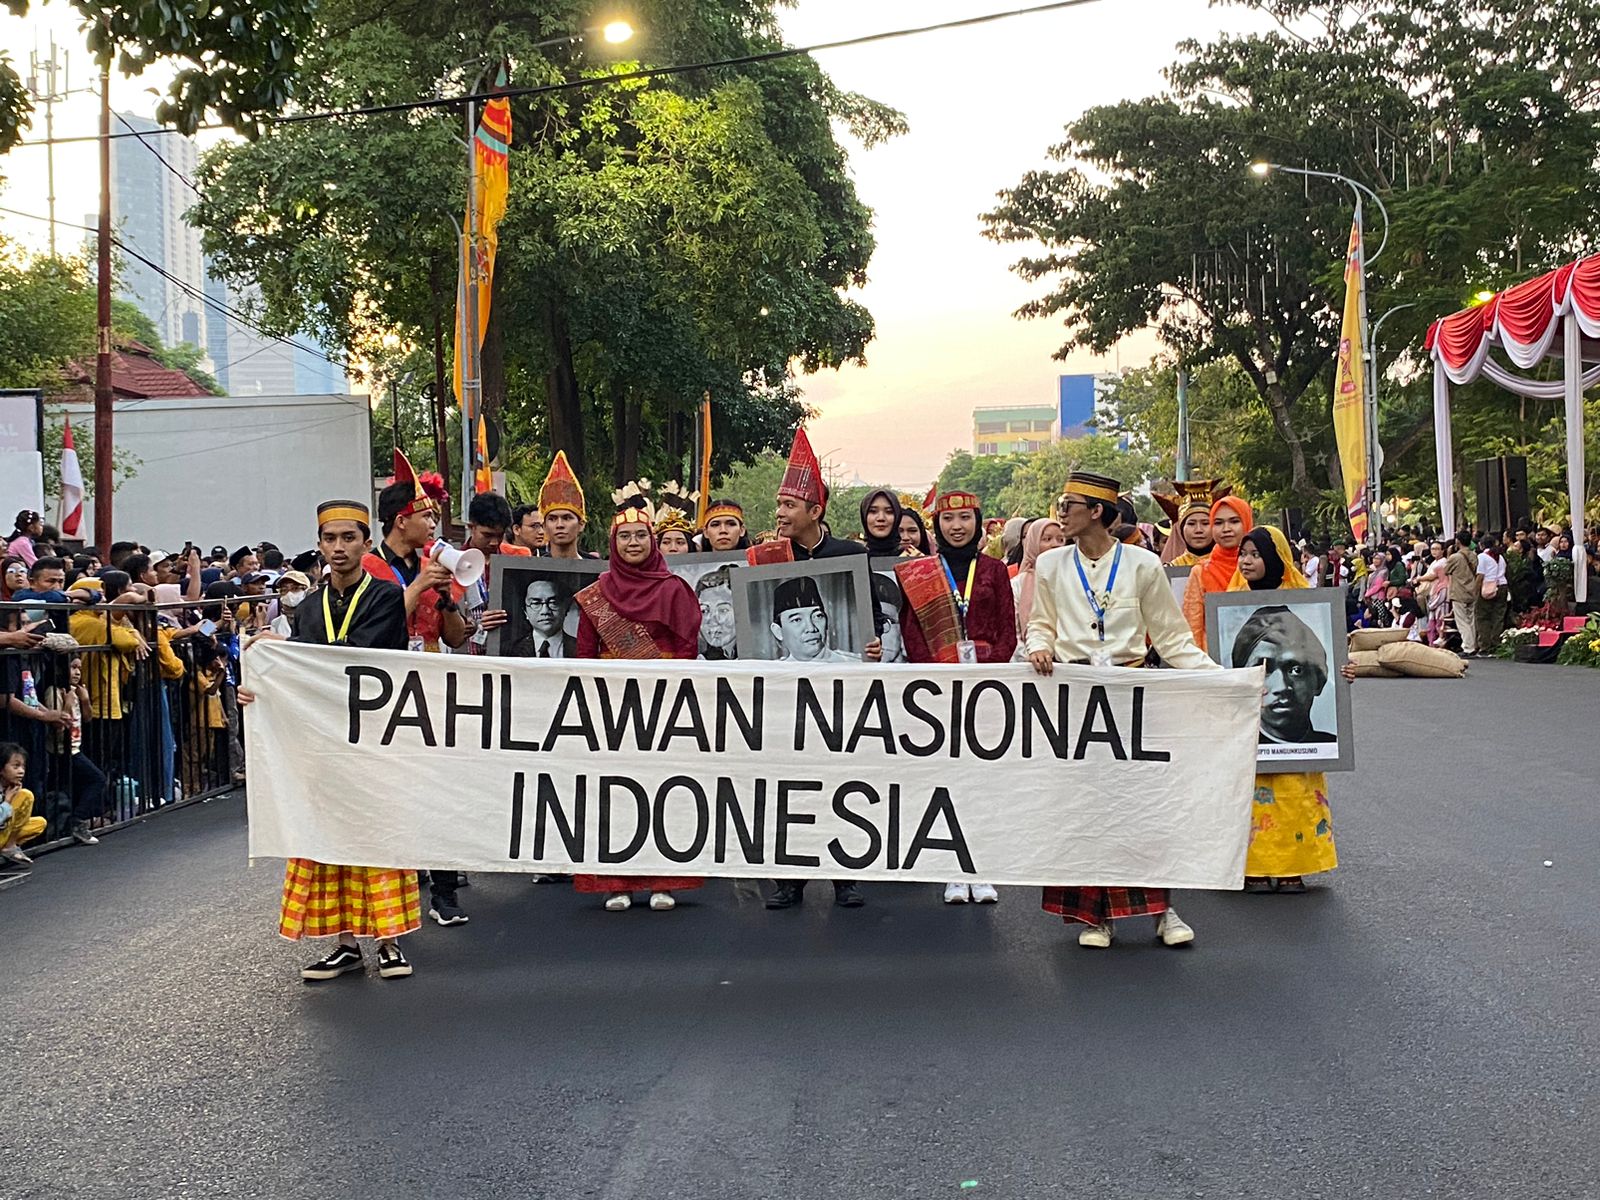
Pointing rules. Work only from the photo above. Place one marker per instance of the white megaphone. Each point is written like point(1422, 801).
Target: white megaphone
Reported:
point(466, 567)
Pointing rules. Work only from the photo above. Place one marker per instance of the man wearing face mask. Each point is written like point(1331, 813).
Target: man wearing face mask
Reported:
point(292, 588)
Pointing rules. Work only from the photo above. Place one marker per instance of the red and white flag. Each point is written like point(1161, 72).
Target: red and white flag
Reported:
point(71, 486)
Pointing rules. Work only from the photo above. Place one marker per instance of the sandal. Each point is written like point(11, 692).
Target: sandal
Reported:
point(1294, 885)
point(1257, 884)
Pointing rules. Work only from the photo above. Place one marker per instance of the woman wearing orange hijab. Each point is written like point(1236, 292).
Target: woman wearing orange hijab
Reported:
point(1231, 519)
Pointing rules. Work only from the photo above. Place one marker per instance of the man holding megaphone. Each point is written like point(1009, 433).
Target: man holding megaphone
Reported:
point(407, 512)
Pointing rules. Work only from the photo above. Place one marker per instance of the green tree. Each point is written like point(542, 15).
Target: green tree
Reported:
point(986, 476)
point(47, 320)
point(663, 239)
point(241, 56)
point(1480, 143)
point(1042, 477)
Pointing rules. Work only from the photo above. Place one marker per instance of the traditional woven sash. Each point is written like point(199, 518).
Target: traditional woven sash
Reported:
point(779, 550)
point(619, 637)
point(928, 592)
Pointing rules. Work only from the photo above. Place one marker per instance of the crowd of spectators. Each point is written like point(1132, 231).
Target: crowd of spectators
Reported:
point(118, 678)
point(1460, 592)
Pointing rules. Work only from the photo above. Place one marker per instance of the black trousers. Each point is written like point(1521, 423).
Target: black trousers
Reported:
point(88, 789)
point(444, 883)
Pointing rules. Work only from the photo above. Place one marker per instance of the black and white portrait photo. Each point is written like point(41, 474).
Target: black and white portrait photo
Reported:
point(887, 599)
point(1290, 635)
point(538, 597)
point(713, 591)
point(808, 612)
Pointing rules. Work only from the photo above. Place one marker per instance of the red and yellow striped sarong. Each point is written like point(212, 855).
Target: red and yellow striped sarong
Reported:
point(322, 900)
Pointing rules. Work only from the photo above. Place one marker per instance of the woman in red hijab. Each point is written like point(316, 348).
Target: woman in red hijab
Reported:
point(637, 609)
point(1231, 519)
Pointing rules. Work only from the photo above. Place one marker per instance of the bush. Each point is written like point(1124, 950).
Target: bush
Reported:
point(1582, 649)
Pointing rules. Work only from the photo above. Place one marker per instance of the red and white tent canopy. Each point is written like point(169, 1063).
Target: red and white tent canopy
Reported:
point(1524, 322)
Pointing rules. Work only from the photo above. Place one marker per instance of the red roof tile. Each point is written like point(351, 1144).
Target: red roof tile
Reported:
point(136, 375)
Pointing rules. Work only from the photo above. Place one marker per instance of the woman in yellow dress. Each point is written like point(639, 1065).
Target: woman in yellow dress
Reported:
point(1291, 825)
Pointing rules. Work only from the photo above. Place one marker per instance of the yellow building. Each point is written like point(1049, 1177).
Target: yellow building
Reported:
point(1013, 429)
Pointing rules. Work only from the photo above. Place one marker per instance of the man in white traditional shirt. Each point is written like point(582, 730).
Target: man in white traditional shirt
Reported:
point(1095, 602)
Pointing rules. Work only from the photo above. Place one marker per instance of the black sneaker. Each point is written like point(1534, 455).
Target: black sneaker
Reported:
point(444, 909)
point(391, 963)
point(848, 895)
point(543, 878)
point(81, 834)
point(343, 960)
point(462, 880)
point(787, 895)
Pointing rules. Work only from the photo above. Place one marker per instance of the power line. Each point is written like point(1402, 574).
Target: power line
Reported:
point(189, 289)
point(590, 81)
point(140, 134)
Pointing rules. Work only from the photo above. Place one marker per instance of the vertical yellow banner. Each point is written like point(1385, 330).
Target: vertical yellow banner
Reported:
point(1349, 390)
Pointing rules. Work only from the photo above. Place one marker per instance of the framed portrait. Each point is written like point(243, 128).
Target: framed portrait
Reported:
point(537, 595)
point(1178, 580)
point(819, 611)
point(1298, 635)
point(887, 600)
point(710, 575)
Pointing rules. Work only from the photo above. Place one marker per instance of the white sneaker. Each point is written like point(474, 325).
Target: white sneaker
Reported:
point(1173, 930)
point(1096, 937)
point(662, 901)
point(984, 893)
point(956, 893)
point(619, 902)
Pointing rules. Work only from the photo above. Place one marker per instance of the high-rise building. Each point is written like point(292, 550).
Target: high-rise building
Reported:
point(148, 201)
point(1078, 395)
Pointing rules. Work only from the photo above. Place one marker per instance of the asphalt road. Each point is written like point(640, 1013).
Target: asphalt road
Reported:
point(1424, 1024)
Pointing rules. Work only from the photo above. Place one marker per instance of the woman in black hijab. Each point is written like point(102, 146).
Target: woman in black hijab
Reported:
point(880, 523)
point(914, 532)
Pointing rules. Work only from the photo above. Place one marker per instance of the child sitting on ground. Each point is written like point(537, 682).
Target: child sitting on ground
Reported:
point(17, 822)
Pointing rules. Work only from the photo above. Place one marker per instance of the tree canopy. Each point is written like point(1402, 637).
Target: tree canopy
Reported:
point(663, 239)
point(241, 57)
point(1476, 124)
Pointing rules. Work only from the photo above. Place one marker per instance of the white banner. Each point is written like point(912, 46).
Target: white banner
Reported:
point(766, 770)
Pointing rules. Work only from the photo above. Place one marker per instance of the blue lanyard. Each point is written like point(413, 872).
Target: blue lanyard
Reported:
point(962, 602)
point(1088, 593)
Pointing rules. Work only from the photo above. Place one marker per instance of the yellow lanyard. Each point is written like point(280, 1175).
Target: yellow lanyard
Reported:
point(349, 614)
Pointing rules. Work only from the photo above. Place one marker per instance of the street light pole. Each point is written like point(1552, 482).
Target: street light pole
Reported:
point(1370, 381)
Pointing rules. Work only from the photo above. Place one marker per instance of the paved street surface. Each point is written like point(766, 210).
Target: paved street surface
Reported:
point(1422, 1025)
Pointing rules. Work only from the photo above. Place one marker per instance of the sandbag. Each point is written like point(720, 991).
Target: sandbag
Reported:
point(1372, 639)
point(1422, 662)
point(1368, 667)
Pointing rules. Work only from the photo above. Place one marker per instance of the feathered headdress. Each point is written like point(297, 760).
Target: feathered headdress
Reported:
point(634, 503)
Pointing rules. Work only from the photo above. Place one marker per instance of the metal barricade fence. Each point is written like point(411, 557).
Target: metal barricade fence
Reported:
point(155, 720)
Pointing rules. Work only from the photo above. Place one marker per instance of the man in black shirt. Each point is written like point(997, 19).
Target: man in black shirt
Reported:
point(321, 899)
point(802, 504)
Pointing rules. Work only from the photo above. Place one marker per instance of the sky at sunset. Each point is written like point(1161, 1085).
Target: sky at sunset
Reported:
point(983, 104)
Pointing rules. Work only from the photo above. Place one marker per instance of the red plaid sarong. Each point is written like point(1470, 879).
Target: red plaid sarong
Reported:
point(323, 900)
point(1096, 905)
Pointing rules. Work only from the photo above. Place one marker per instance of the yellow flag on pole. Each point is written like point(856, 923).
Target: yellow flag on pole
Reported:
point(1349, 390)
point(491, 164)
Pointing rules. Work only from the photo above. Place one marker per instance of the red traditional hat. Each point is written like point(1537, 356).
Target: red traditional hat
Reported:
point(427, 490)
point(956, 502)
point(561, 491)
point(803, 479)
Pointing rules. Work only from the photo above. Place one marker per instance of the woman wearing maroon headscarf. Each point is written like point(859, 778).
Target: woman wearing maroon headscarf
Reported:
point(637, 609)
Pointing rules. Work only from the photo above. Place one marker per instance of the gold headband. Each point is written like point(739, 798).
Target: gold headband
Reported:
point(359, 515)
point(1092, 490)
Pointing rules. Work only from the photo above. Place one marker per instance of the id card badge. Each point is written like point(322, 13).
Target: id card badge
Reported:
point(415, 645)
point(967, 651)
point(1099, 658)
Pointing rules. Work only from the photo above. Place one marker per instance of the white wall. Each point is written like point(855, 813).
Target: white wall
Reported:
point(232, 469)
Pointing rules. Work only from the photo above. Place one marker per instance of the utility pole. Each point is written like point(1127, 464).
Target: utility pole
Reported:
point(1180, 470)
point(47, 94)
point(102, 363)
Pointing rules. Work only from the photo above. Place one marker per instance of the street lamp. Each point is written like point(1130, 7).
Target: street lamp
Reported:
point(617, 32)
point(1374, 486)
